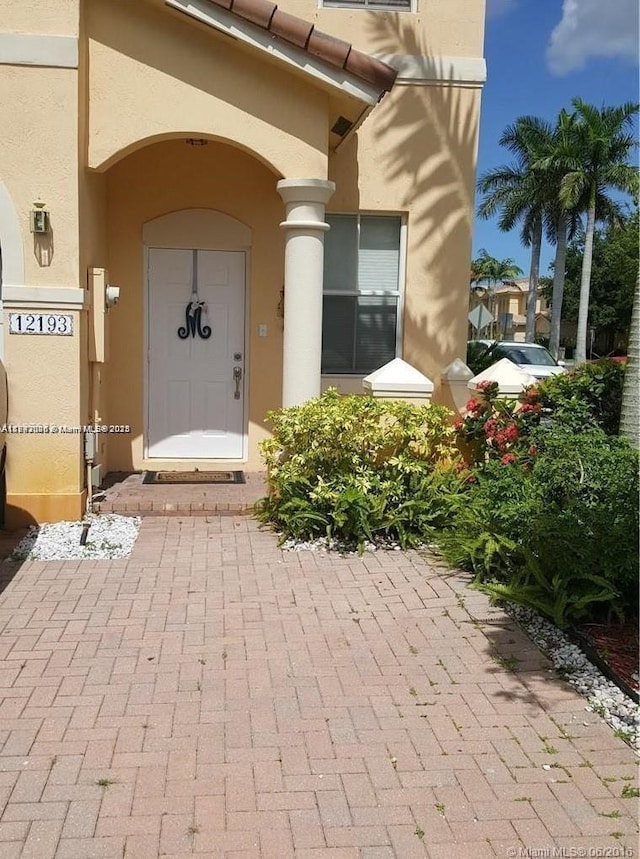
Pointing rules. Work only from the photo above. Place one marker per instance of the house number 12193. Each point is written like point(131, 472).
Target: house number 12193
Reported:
point(41, 323)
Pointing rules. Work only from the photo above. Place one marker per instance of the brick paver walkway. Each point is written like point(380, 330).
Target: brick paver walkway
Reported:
point(216, 696)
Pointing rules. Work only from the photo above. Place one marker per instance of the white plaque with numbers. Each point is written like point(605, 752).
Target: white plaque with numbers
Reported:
point(56, 324)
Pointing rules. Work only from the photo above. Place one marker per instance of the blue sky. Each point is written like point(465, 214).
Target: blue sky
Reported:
point(540, 54)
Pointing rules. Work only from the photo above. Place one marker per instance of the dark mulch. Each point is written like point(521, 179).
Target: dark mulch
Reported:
point(616, 647)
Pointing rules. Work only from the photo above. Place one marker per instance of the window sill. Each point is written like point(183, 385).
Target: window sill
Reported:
point(346, 7)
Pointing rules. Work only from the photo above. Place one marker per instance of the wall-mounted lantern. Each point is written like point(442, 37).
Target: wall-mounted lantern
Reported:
point(40, 218)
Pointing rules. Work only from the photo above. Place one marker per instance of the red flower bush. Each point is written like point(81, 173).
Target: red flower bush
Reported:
point(496, 428)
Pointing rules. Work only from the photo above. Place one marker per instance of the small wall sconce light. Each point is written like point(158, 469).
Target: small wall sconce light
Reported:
point(39, 217)
point(111, 295)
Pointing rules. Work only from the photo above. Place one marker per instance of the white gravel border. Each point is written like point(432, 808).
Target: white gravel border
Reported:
point(603, 696)
point(109, 537)
point(325, 545)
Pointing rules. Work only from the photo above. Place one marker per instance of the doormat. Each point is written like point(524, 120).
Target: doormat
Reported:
point(185, 477)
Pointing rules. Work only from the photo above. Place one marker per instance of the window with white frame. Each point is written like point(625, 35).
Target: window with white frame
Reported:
point(372, 5)
point(361, 293)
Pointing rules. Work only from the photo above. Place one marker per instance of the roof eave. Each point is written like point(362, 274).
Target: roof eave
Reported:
point(212, 15)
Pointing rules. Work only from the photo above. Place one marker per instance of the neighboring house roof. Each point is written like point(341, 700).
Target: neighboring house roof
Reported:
point(304, 35)
point(513, 286)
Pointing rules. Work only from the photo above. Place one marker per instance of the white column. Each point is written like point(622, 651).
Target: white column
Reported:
point(303, 272)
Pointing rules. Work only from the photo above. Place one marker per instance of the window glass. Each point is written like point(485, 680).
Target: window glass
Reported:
point(362, 262)
point(530, 355)
point(338, 333)
point(376, 332)
point(379, 256)
point(341, 253)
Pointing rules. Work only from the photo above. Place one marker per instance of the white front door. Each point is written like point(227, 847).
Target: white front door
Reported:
point(196, 357)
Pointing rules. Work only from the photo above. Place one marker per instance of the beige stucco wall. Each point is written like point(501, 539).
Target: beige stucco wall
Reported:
point(92, 208)
point(453, 27)
point(60, 18)
point(39, 162)
point(416, 154)
point(168, 177)
point(153, 75)
point(44, 470)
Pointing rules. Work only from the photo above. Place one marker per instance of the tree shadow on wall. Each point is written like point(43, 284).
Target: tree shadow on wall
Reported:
point(434, 126)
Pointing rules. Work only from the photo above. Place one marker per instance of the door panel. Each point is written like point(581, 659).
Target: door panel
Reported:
point(193, 410)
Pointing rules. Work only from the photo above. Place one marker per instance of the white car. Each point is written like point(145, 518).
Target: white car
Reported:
point(530, 357)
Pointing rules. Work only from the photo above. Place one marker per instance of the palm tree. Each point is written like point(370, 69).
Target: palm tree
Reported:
point(630, 417)
point(563, 223)
point(555, 153)
point(603, 141)
point(559, 266)
point(520, 191)
point(475, 272)
point(493, 271)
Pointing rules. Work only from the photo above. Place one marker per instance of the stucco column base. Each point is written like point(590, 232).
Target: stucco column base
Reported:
point(305, 227)
point(30, 509)
point(47, 387)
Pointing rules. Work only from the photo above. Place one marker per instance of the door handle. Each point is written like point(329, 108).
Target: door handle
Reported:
point(237, 377)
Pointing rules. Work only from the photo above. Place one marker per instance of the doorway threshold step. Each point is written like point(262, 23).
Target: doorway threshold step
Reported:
point(126, 494)
point(167, 508)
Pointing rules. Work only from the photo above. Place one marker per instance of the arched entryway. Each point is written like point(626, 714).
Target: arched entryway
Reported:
point(196, 263)
point(189, 223)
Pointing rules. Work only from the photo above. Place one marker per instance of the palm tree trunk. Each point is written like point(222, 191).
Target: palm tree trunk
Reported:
point(534, 271)
point(493, 328)
point(558, 285)
point(585, 283)
point(630, 417)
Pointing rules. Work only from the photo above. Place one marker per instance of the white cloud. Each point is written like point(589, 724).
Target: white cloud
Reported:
point(499, 7)
point(591, 28)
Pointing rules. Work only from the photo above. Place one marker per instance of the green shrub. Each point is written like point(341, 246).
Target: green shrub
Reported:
point(480, 356)
point(356, 468)
point(486, 534)
point(558, 531)
point(590, 395)
point(589, 485)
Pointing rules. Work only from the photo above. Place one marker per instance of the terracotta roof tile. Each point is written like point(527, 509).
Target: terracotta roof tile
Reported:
point(259, 13)
point(304, 35)
point(291, 28)
point(329, 49)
